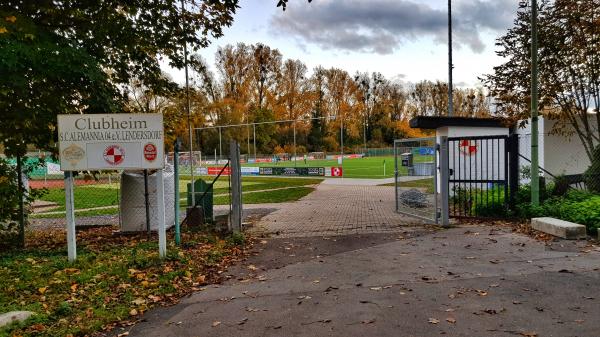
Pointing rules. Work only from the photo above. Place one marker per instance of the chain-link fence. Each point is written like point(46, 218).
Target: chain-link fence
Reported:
point(416, 178)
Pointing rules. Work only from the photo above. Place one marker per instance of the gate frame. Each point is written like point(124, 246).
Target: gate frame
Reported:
point(511, 170)
point(437, 153)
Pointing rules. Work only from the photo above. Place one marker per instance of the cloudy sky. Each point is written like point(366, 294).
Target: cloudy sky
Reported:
point(403, 39)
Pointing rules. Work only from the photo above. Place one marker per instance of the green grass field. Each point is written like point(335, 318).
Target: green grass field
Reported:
point(103, 199)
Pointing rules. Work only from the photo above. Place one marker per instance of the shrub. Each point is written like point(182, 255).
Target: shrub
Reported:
point(592, 174)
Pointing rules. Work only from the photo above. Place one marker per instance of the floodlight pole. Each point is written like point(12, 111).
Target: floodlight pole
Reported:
point(535, 179)
point(220, 145)
point(254, 139)
point(342, 139)
point(294, 143)
point(450, 66)
point(187, 106)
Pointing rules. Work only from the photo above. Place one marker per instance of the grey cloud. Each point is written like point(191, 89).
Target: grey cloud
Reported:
point(381, 26)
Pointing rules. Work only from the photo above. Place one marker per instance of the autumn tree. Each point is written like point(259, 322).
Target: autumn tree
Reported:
point(569, 72)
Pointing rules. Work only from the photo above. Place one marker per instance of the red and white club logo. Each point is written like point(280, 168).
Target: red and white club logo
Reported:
point(114, 155)
point(150, 152)
point(336, 171)
point(467, 147)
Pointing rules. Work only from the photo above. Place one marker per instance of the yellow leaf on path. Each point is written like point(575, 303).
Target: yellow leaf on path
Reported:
point(11, 18)
point(42, 290)
point(145, 283)
point(74, 287)
point(215, 323)
point(433, 321)
point(451, 320)
point(133, 312)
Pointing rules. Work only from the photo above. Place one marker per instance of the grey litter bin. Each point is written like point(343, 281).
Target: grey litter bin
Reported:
point(407, 159)
point(423, 169)
point(132, 204)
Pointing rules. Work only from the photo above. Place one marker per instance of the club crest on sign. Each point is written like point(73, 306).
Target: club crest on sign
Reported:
point(114, 155)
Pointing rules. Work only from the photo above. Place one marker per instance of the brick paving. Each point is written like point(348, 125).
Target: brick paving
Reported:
point(337, 210)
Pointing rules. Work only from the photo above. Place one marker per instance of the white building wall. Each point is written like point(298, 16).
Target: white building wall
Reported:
point(558, 154)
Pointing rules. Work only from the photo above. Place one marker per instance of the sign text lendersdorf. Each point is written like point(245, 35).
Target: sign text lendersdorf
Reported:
point(111, 141)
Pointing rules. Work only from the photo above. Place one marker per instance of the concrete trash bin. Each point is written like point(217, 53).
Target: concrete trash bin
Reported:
point(132, 201)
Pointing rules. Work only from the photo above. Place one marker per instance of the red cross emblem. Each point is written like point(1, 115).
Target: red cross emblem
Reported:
point(467, 147)
point(114, 155)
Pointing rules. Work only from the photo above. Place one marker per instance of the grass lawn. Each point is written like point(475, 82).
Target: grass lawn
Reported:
point(426, 184)
point(115, 278)
point(104, 195)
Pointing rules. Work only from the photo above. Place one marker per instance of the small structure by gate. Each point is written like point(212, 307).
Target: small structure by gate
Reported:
point(483, 175)
point(415, 163)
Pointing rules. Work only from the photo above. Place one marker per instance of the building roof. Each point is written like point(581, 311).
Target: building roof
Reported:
point(434, 122)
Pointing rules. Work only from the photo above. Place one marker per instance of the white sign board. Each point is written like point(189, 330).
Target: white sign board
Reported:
point(111, 141)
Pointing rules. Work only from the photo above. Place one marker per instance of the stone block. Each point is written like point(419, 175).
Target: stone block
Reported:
point(14, 316)
point(561, 228)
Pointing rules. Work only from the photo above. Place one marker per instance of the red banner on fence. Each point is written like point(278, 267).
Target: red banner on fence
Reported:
point(213, 171)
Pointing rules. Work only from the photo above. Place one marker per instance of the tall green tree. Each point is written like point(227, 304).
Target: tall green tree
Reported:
point(72, 56)
point(569, 68)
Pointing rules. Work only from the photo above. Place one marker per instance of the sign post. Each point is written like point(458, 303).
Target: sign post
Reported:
point(111, 142)
point(70, 214)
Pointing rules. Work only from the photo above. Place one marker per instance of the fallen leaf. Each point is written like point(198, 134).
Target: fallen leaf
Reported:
point(376, 288)
point(433, 321)
point(529, 334)
point(451, 320)
point(133, 312)
point(368, 321)
point(42, 290)
point(215, 323)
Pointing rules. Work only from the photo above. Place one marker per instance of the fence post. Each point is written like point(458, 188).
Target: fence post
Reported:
point(236, 187)
point(160, 205)
point(21, 190)
point(396, 174)
point(176, 187)
point(513, 174)
point(444, 177)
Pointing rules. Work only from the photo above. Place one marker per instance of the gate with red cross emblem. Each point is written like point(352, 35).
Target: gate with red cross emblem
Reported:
point(483, 175)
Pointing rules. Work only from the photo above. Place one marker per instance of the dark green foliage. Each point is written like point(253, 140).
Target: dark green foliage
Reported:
point(64, 56)
point(10, 200)
point(575, 206)
point(592, 174)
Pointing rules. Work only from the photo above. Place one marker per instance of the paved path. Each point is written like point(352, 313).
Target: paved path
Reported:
point(470, 281)
point(337, 210)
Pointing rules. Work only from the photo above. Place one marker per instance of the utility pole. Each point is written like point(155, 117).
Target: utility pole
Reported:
point(187, 106)
point(535, 171)
point(450, 65)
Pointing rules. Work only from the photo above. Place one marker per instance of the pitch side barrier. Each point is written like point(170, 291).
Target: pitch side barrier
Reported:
point(276, 171)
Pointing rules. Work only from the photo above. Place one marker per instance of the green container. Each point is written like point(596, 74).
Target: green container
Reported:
point(201, 186)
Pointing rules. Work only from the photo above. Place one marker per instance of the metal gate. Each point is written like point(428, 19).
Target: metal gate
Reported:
point(483, 176)
point(416, 188)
